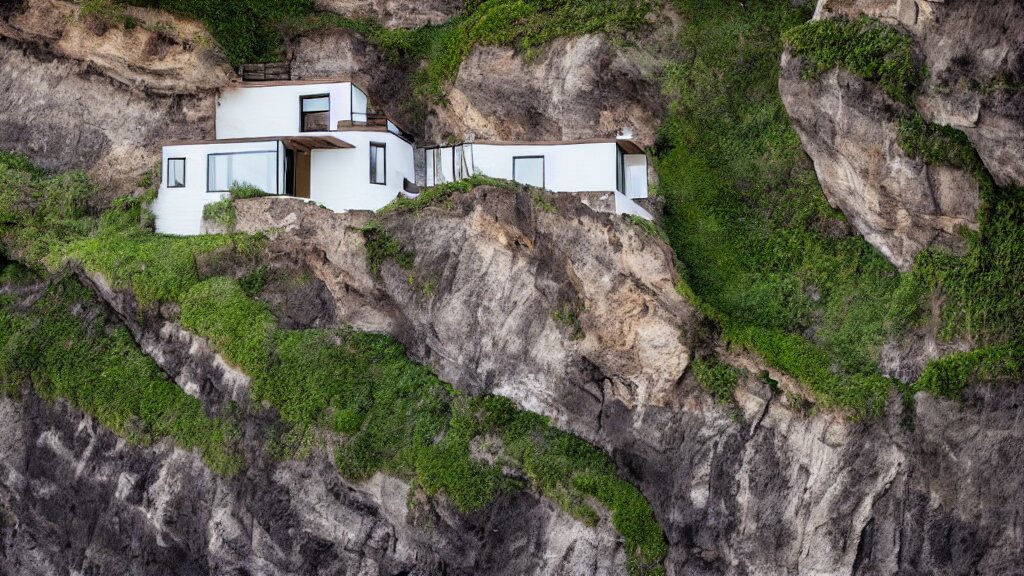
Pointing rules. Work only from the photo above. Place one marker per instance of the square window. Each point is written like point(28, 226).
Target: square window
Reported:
point(528, 170)
point(316, 113)
point(378, 161)
point(175, 172)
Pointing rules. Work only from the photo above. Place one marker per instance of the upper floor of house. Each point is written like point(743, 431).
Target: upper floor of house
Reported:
point(296, 108)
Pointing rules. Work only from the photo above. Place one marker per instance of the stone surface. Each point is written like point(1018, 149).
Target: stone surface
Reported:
point(395, 13)
point(900, 204)
point(974, 54)
point(72, 97)
point(774, 489)
point(574, 88)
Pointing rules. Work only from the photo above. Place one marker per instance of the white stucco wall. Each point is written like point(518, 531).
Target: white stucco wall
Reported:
point(274, 111)
point(624, 205)
point(340, 179)
point(179, 211)
point(588, 167)
point(636, 175)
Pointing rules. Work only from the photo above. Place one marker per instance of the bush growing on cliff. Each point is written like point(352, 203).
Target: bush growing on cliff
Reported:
point(866, 47)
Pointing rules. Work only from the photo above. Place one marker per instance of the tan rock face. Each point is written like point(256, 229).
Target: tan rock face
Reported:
point(76, 97)
point(480, 303)
point(395, 13)
point(975, 57)
point(898, 203)
point(575, 88)
point(974, 53)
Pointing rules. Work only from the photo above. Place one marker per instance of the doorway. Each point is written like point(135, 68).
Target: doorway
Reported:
point(298, 167)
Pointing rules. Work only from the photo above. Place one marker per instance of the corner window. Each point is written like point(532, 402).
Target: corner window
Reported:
point(378, 161)
point(175, 172)
point(316, 113)
point(258, 169)
point(528, 170)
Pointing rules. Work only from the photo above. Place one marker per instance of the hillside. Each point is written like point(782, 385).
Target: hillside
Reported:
point(811, 363)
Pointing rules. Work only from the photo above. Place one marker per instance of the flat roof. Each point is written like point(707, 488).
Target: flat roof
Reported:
point(296, 142)
point(272, 83)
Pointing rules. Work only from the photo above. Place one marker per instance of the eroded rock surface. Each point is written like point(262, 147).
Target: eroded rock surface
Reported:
point(573, 89)
point(74, 96)
point(395, 13)
point(974, 54)
point(770, 489)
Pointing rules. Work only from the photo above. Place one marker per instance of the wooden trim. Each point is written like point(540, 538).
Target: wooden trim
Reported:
point(543, 169)
point(326, 142)
point(184, 172)
point(384, 147)
point(627, 146)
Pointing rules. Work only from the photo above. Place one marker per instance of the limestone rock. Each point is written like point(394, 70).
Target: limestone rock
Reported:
point(395, 13)
point(574, 88)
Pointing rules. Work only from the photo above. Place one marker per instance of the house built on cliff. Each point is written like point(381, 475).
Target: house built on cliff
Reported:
point(319, 141)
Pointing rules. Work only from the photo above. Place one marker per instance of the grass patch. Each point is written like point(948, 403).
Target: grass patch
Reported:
point(222, 213)
point(717, 377)
point(760, 249)
point(866, 47)
point(381, 247)
point(66, 355)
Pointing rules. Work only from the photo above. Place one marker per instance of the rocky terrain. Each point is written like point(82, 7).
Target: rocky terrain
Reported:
point(572, 314)
point(974, 55)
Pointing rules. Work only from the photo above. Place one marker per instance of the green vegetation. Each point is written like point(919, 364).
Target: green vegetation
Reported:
point(568, 316)
point(382, 247)
point(717, 377)
point(442, 193)
point(760, 250)
point(866, 47)
point(65, 354)
point(353, 393)
point(221, 213)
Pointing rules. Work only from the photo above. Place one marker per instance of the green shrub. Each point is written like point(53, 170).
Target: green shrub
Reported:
point(103, 373)
point(222, 213)
point(382, 247)
point(716, 377)
point(865, 47)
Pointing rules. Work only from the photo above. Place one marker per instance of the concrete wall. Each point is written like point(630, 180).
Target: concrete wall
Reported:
point(265, 111)
point(588, 167)
point(340, 179)
point(180, 210)
point(636, 175)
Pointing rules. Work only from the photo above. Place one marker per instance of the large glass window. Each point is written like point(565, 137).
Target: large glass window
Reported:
point(360, 105)
point(378, 164)
point(257, 169)
point(528, 170)
point(316, 113)
point(175, 172)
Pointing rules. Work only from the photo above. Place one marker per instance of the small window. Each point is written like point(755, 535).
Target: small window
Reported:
point(528, 170)
point(378, 161)
point(316, 113)
point(175, 172)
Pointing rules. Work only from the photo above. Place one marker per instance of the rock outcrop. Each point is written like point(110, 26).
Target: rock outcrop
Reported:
point(574, 88)
point(395, 13)
point(769, 489)
point(80, 95)
point(974, 55)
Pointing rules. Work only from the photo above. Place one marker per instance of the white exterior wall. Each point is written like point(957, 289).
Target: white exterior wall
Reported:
point(180, 210)
point(340, 179)
point(636, 175)
point(587, 167)
point(624, 205)
point(274, 111)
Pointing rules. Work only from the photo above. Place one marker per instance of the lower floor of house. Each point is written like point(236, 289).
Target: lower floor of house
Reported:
point(367, 170)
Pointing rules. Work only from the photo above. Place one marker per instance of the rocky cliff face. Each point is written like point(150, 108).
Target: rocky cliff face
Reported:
point(974, 55)
point(395, 13)
point(78, 94)
point(75, 498)
point(769, 489)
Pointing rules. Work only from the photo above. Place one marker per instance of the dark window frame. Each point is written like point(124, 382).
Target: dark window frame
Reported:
point(277, 168)
point(303, 113)
point(384, 147)
point(543, 169)
point(352, 105)
point(184, 172)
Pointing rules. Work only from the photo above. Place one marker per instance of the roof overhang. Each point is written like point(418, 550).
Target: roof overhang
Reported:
point(307, 143)
point(300, 143)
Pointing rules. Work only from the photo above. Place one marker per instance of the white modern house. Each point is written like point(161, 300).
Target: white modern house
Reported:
point(318, 140)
